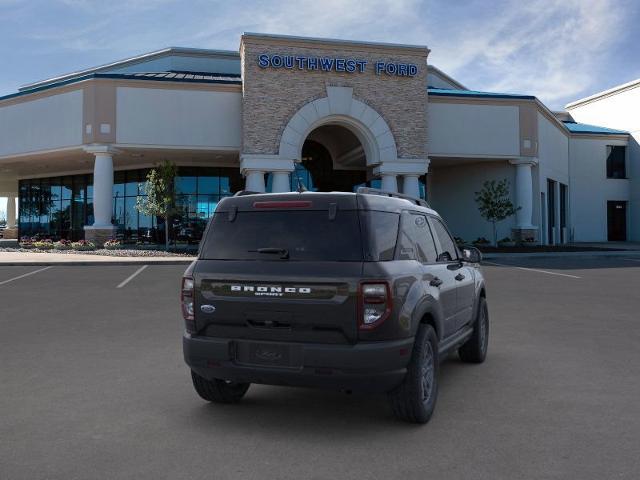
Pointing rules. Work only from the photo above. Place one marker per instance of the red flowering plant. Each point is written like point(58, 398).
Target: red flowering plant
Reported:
point(62, 244)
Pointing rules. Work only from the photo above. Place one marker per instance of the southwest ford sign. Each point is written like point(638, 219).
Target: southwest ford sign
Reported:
point(334, 64)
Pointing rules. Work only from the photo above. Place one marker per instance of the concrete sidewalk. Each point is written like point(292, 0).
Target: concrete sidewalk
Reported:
point(593, 253)
point(37, 259)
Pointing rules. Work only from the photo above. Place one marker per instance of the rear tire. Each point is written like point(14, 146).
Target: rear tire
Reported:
point(415, 399)
point(218, 391)
point(474, 350)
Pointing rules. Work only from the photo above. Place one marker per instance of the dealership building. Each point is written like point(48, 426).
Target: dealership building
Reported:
point(327, 114)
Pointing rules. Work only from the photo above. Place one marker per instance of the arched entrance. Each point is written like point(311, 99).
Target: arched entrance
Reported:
point(342, 142)
point(334, 158)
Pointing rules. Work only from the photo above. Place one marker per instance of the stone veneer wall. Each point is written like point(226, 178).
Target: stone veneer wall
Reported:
point(271, 96)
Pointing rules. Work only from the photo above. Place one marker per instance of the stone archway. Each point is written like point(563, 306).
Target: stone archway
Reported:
point(340, 108)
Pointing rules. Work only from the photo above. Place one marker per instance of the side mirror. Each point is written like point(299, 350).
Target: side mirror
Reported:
point(471, 255)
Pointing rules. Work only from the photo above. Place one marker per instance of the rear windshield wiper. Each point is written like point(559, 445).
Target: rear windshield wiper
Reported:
point(283, 252)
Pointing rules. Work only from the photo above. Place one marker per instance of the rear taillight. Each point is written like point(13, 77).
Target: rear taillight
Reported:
point(186, 300)
point(375, 304)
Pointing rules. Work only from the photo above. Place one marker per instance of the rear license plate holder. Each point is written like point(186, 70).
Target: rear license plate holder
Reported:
point(268, 354)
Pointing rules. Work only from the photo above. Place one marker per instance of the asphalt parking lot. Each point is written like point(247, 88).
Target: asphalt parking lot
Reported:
point(93, 385)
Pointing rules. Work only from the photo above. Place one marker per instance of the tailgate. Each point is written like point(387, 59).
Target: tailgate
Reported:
point(275, 300)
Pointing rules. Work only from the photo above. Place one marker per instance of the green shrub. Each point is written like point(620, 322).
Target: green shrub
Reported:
point(83, 245)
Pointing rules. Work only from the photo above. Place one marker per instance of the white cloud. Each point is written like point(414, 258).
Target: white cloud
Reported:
point(552, 49)
point(555, 49)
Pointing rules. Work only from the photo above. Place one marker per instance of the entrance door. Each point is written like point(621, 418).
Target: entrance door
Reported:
point(551, 212)
point(543, 218)
point(617, 221)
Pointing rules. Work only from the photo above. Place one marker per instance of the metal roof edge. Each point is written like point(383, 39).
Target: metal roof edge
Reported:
point(121, 76)
point(604, 93)
point(446, 76)
point(129, 61)
point(476, 94)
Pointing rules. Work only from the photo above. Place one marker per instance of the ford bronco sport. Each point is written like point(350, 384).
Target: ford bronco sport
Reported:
point(358, 291)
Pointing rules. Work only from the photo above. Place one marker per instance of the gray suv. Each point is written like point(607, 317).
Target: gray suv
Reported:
point(358, 291)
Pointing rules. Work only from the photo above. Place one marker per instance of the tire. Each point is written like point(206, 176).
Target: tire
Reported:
point(474, 350)
point(415, 399)
point(218, 391)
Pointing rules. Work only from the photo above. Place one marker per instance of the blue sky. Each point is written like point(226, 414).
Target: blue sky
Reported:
point(557, 50)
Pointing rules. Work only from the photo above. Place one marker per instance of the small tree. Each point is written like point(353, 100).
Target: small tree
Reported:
point(160, 193)
point(494, 203)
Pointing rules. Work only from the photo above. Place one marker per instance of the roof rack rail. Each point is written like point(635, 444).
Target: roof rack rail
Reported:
point(242, 193)
point(384, 193)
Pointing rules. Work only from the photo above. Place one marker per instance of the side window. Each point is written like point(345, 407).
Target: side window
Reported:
point(448, 251)
point(383, 232)
point(406, 239)
point(416, 241)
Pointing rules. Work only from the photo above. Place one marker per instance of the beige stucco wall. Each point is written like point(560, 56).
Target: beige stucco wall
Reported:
point(44, 123)
point(272, 96)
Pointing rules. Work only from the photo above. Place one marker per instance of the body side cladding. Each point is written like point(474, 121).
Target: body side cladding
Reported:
point(428, 313)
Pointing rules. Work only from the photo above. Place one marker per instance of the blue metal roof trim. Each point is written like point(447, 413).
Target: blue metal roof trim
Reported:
point(575, 127)
point(228, 79)
point(445, 92)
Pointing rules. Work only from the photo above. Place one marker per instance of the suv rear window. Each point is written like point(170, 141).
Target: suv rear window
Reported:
point(306, 235)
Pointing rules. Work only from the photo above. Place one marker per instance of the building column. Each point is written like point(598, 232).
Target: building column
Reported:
point(389, 182)
point(409, 171)
point(411, 180)
point(254, 181)
point(11, 212)
point(253, 167)
point(280, 182)
point(102, 229)
point(524, 198)
point(11, 232)
point(411, 185)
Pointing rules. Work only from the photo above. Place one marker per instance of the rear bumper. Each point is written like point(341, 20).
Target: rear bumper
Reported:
point(364, 367)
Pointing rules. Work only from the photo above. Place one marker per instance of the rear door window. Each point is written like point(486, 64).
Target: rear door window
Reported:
point(382, 233)
point(416, 241)
point(305, 235)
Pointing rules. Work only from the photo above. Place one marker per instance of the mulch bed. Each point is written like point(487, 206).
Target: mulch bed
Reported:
point(545, 248)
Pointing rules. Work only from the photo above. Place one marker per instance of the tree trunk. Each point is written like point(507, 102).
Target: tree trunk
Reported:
point(166, 233)
point(495, 234)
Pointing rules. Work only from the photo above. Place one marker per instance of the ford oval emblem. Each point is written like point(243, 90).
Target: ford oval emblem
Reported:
point(207, 308)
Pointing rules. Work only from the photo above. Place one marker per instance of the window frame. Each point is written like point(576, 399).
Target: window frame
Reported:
point(432, 218)
point(609, 149)
point(404, 214)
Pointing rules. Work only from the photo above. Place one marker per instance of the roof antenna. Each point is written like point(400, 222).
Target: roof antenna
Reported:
point(301, 188)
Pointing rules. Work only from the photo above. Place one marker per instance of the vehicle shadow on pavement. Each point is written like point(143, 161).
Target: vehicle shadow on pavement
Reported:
point(292, 410)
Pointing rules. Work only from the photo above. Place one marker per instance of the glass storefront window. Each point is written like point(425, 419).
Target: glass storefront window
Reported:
point(118, 184)
point(210, 185)
point(131, 185)
point(186, 185)
point(67, 188)
point(60, 207)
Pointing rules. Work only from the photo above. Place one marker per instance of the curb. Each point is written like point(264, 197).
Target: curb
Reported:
point(596, 254)
point(92, 263)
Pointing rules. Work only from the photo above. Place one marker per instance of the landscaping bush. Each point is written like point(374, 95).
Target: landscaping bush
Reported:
point(83, 245)
point(506, 242)
point(43, 244)
point(481, 241)
point(112, 244)
point(62, 245)
point(26, 242)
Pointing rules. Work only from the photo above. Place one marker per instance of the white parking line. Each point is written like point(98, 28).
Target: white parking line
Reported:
point(532, 270)
point(25, 275)
point(132, 276)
